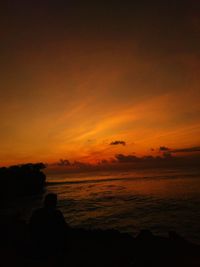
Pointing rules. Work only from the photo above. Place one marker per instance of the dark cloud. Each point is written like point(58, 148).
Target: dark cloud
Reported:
point(64, 162)
point(130, 162)
point(147, 159)
point(167, 152)
point(126, 158)
point(115, 143)
point(187, 150)
point(164, 148)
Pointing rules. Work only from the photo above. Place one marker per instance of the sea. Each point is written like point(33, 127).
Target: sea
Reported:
point(160, 200)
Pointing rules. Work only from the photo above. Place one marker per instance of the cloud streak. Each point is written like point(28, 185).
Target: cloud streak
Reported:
point(187, 150)
point(115, 143)
point(166, 150)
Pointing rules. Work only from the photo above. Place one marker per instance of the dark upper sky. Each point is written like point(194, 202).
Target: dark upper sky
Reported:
point(170, 25)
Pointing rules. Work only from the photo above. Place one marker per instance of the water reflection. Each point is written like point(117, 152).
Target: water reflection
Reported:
point(160, 201)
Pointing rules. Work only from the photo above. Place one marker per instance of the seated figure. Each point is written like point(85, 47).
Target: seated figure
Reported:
point(48, 227)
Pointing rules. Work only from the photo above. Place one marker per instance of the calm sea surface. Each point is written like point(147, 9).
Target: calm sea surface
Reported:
point(159, 200)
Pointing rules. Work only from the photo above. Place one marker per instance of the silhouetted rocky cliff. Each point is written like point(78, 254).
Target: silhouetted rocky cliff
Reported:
point(20, 180)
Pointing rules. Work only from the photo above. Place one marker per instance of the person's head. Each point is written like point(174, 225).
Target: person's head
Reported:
point(50, 201)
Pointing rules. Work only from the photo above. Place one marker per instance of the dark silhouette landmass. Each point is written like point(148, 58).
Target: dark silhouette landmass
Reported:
point(96, 248)
point(20, 180)
point(47, 240)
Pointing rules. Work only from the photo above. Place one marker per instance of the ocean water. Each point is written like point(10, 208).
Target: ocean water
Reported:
point(159, 200)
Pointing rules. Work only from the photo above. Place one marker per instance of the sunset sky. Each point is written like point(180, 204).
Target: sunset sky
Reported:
point(77, 76)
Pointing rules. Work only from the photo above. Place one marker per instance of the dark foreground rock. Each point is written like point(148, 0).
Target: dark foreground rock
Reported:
point(21, 180)
point(96, 248)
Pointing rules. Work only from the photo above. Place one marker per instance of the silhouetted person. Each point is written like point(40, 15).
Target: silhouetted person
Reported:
point(48, 227)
